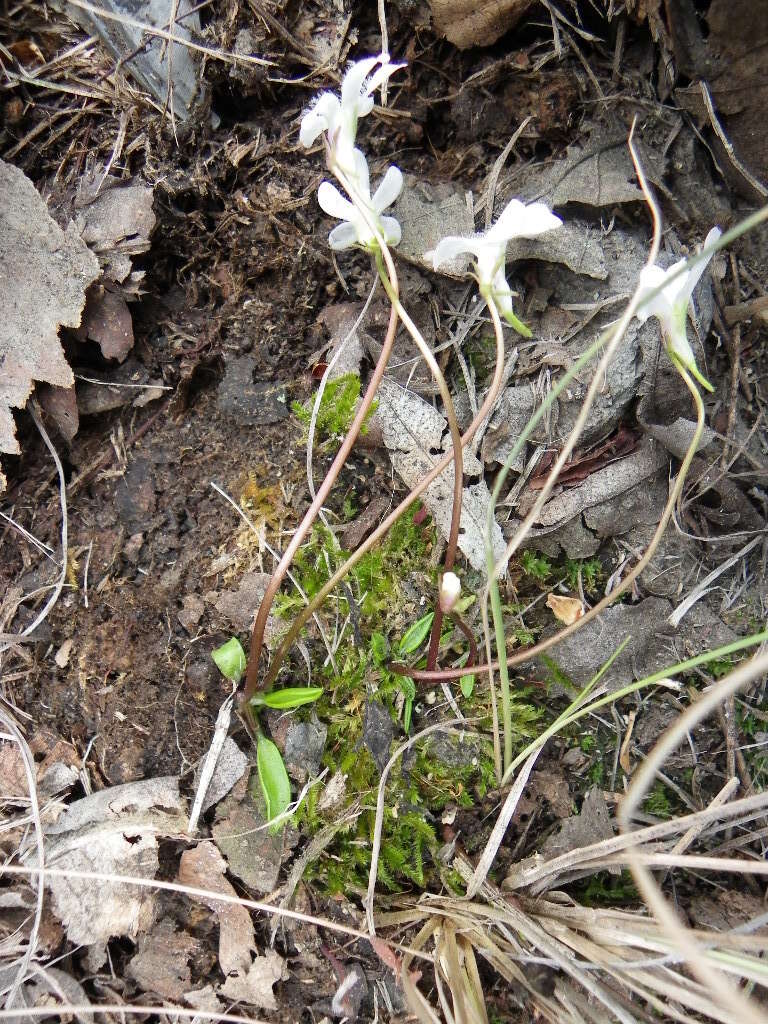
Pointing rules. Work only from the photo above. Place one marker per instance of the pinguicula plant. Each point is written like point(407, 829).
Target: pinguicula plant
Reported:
point(273, 778)
point(365, 224)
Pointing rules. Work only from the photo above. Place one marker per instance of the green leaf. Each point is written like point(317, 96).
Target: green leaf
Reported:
point(467, 685)
point(290, 697)
point(407, 687)
point(407, 713)
point(415, 636)
point(273, 777)
point(230, 659)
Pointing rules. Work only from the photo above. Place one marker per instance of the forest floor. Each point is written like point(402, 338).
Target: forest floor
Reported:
point(212, 314)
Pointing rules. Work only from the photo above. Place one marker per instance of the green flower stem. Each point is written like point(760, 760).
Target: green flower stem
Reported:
point(495, 570)
point(575, 711)
point(498, 617)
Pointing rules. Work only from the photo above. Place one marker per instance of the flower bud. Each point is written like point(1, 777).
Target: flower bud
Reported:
point(450, 589)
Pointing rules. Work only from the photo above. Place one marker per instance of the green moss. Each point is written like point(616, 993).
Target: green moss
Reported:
point(538, 566)
point(337, 408)
point(658, 802)
point(591, 572)
point(604, 889)
point(379, 596)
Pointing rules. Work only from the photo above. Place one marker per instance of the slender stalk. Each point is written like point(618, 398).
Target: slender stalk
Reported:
point(578, 710)
point(458, 456)
point(392, 518)
point(461, 624)
point(257, 636)
point(493, 586)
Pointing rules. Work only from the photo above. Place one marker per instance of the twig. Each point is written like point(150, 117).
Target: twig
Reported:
point(59, 586)
point(376, 844)
point(29, 770)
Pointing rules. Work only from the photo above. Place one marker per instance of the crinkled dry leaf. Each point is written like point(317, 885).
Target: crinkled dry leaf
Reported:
point(590, 826)
point(61, 405)
point(412, 431)
point(253, 852)
point(44, 272)
point(116, 222)
point(565, 609)
point(53, 987)
point(255, 987)
point(599, 487)
point(598, 174)
point(108, 322)
point(203, 867)
point(428, 213)
point(467, 23)
point(113, 831)
point(162, 962)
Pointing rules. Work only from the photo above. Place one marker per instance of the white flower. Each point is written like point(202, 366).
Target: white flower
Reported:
point(489, 249)
point(450, 589)
point(670, 305)
point(354, 230)
point(338, 117)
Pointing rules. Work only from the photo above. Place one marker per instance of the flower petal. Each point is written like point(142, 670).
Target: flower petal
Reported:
point(501, 292)
point(678, 345)
point(321, 117)
point(390, 188)
point(450, 247)
point(362, 175)
point(652, 278)
point(343, 236)
point(520, 221)
point(334, 203)
point(380, 76)
point(391, 230)
point(695, 273)
point(352, 86)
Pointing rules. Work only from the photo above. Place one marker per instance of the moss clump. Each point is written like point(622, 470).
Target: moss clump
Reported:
point(337, 408)
point(377, 604)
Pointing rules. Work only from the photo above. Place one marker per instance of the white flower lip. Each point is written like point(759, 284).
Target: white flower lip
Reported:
point(670, 304)
point(489, 248)
point(450, 591)
point(354, 230)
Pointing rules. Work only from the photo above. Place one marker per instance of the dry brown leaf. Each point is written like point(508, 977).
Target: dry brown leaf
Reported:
point(115, 220)
point(113, 831)
point(466, 23)
point(624, 761)
point(412, 430)
point(61, 405)
point(565, 609)
point(203, 867)
point(44, 272)
point(162, 962)
point(255, 987)
point(108, 322)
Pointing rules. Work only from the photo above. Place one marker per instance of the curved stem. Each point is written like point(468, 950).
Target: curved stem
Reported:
point(498, 618)
point(257, 636)
point(459, 621)
point(458, 456)
point(544, 645)
point(392, 518)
